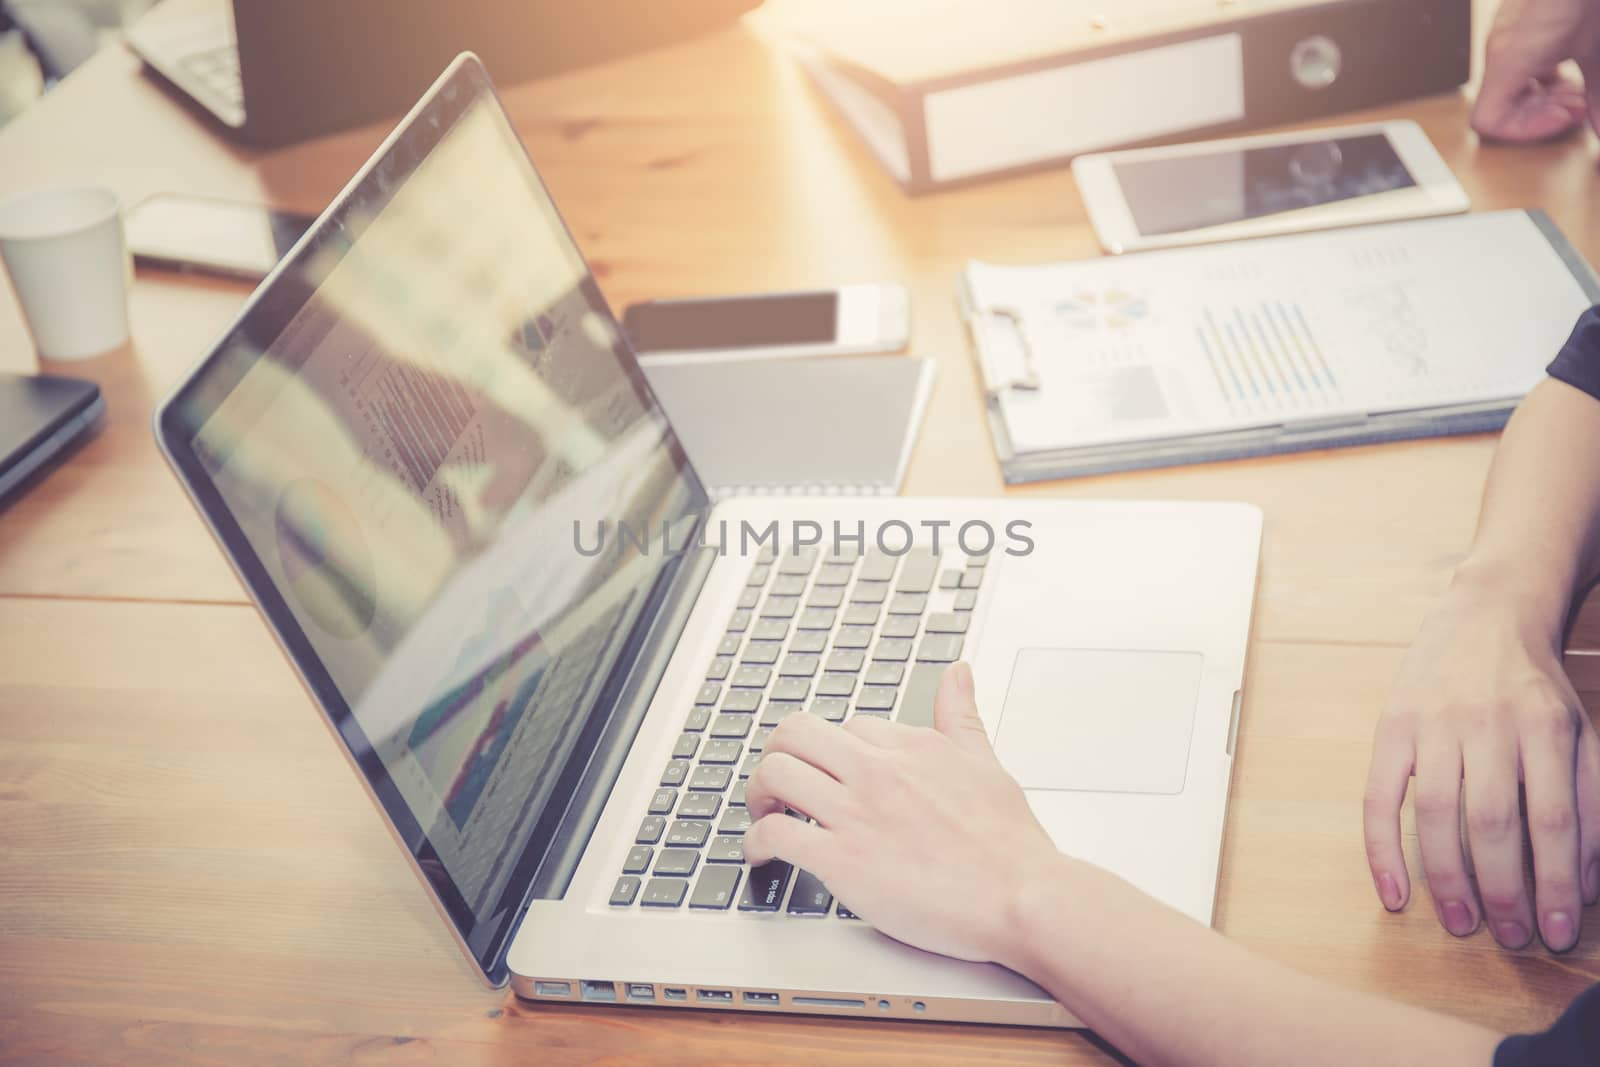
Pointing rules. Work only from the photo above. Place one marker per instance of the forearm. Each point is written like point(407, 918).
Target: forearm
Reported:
point(1166, 990)
point(1538, 538)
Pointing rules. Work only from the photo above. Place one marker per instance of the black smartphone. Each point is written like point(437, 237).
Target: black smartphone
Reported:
point(40, 418)
point(221, 237)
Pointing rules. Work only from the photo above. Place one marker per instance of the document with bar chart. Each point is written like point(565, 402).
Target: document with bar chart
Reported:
point(1282, 344)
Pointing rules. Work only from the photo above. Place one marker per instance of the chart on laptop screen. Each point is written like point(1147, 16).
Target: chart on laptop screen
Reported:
point(408, 458)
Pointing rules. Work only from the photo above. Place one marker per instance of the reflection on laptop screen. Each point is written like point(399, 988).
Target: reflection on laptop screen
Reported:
point(407, 459)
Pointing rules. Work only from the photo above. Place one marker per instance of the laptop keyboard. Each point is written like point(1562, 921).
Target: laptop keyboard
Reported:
point(218, 70)
point(835, 635)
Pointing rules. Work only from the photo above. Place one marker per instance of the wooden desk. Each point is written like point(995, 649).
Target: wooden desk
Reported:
point(190, 872)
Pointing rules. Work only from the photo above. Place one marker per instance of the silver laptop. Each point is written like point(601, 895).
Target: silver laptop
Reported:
point(554, 662)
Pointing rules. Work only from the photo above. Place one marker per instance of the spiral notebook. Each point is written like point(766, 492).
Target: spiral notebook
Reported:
point(1283, 344)
point(840, 425)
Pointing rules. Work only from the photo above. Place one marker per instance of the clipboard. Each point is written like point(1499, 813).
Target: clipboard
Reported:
point(1285, 344)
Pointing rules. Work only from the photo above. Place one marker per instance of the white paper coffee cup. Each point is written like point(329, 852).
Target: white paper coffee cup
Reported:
point(68, 262)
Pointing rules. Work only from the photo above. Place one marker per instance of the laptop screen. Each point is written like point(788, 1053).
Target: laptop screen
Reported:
point(400, 443)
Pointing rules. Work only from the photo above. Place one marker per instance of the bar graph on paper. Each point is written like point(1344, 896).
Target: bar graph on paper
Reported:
point(1266, 359)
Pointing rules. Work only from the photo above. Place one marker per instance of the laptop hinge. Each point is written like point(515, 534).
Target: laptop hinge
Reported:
point(637, 691)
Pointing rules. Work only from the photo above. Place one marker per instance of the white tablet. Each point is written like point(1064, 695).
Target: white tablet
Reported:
point(1260, 186)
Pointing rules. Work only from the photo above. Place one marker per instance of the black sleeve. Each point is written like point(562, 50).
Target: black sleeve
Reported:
point(1574, 1041)
point(1578, 363)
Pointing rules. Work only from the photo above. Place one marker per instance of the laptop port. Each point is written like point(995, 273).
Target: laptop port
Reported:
point(768, 999)
point(828, 1002)
point(670, 993)
point(552, 989)
point(641, 991)
point(596, 990)
point(715, 996)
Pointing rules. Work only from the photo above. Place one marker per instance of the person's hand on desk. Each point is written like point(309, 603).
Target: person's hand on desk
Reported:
point(1482, 703)
point(1524, 97)
point(924, 835)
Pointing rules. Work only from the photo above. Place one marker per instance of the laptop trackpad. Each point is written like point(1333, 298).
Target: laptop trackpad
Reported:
point(1092, 719)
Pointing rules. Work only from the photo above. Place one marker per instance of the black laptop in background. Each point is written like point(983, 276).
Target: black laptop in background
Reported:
point(273, 72)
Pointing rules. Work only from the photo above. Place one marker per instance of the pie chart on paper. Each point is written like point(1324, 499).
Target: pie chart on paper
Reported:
point(325, 557)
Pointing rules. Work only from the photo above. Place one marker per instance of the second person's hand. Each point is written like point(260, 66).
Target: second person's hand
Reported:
point(1482, 702)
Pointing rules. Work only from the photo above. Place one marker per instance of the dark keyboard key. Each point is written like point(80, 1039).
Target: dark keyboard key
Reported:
point(878, 566)
point(762, 653)
point(852, 636)
point(737, 792)
point(624, 891)
point(901, 626)
point(679, 862)
point(708, 693)
point(916, 702)
point(758, 740)
point(728, 727)
point(883, 673)
point(860, 615)
point(776, 711)
point(638, 859)
point(675, 773)
point(699, 806)
point(810, 896)
point(816, 619)
point(650, 830)
point(971, 578)
point(799, 665)
point(769, 630)
point(892, 648)
point(846, 659)
point(751, 677)
point(869, 592)
point(791, 689)
point(686, 746)
point(809, 641)
point(734, 821)
point(764, 889)
point(836, 685)
point(834, 574)
point(749, 596)
point(966, 600)
point(876, 697)
point(832, 709)
point(720, 666)
point(758, 574)
point(727, 849)
point(742, 700)
point(725, 751)
point(948, 622)
point(664, 893)
point(663, 801)
point(749, 765)
point(688, 833)
point(739, 621)
point(711, 779)
point(828, 596)
point(788, 585)
point(908, 603)
point(698, 719)
point(939, 648)
point(950, 579)
point(917, 571)
point(799, 562)
point(716, 888)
